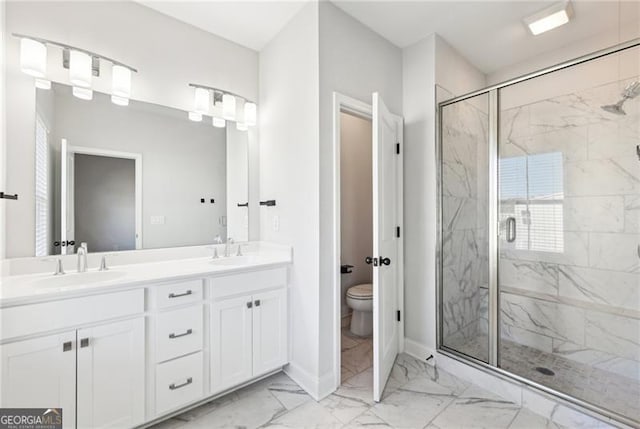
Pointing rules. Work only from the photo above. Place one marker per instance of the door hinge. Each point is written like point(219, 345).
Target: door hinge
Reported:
point(398, 231)
point(398, 148)
point(398, 315)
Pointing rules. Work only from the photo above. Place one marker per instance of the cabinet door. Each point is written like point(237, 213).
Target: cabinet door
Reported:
point(41, 373)
point(111, 368)
point(269, 331)
point(230, 342)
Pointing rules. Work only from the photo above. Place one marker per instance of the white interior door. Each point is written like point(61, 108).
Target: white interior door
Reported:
point(387, 217)
point(66, 198)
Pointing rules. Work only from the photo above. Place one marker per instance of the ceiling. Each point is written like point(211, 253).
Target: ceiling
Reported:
point(248, 23)
point(490, 34)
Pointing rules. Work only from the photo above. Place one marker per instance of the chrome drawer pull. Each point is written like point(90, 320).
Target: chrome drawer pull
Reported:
point(187, 332)
point(178, 295)
point(174, 386)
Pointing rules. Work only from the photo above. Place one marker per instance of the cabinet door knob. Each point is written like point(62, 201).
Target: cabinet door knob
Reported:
point(84, 342)
point(66, 346)
point(257, 303)
point(249, 304)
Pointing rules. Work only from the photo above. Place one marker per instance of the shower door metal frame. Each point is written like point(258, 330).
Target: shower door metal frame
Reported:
point(493, 144)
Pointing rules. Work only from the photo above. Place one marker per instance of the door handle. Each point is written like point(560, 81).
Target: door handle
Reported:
point(369, 260)
point(185, 333)
point(249, 304)
point(511, 229)
point(385, 261)
point(84, 342)
point(174, 386)
point(178, 295)
point(67, 346)
point(257, 303)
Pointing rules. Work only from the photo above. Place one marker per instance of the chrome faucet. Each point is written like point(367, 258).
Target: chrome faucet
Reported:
point(82, 258)
point(227, 247)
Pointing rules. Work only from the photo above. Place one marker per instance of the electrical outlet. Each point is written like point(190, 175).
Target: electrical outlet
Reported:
point(276, 223)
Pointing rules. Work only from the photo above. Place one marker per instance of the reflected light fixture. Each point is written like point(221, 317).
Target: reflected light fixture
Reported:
point(43, 84)
point(219, 122)
point(195, 116)
point(120, 83)
point(547, 19)
point(250, 113)
point(241, 126)
point(33, 57)
point(83, 93)
point(80, 69)
point(229, 107)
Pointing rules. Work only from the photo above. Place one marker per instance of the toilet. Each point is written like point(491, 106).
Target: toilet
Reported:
point(360, 300)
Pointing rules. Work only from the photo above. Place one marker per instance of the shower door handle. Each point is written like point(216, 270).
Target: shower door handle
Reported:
point(511, 229)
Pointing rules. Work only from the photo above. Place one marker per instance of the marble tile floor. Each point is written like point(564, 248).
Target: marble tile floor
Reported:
point(356, 354)
point(417, 395)
point(597, 386)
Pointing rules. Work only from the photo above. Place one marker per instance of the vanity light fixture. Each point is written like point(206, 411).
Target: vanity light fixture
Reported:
point(33, 57)
point(43, 83)
point(225, 104)
point(195, 116)
point(250, 113)
point(83, 65)
point(547, 19)
point(83, 93)
point(229, 107)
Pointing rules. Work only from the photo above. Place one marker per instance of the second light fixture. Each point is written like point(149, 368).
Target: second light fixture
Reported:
point(223, 108)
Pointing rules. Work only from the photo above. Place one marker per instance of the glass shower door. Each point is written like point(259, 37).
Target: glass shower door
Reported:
point(464, 253)
point(569, 266)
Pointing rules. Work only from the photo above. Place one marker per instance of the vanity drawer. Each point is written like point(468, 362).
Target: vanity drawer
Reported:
point(179, 382)
point(243, 283)
point(169, 295)
point(179, 332)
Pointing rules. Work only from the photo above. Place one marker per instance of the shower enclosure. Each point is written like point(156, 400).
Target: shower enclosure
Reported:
point(539, 230)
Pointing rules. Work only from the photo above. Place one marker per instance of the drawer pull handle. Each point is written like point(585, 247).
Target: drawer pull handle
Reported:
point(178, 295)
point(187, 332)
point(174, 386)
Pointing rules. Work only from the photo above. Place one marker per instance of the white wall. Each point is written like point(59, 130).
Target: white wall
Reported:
point(3, 134)
point(356, 214)
point(289, 174)
point(356, 62)
point(167, 53)
point(427, 63)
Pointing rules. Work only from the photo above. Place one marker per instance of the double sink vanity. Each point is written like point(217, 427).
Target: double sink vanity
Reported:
point(156, 333)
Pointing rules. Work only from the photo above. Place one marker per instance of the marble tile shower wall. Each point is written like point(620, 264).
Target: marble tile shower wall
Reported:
point(464, 216)
point(582, 302)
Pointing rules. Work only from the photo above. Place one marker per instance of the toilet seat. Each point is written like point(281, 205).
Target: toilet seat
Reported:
point(362, 291)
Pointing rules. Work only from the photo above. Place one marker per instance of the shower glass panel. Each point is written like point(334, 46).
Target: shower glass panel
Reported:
point(569, 206)
point(464, 255)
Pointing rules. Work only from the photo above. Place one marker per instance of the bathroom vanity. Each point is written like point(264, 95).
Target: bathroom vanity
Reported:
point(139, 342)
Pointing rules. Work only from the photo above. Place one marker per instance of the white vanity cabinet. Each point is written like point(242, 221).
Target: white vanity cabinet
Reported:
point(248, 326)
point(94, 371)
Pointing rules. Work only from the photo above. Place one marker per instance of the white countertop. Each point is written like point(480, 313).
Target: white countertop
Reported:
point(30, 288)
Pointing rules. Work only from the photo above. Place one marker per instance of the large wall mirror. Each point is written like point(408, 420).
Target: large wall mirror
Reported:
point(136, 177)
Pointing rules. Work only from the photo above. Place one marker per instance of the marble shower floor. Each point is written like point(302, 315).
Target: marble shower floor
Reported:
point(597, 386)
point(417, 395)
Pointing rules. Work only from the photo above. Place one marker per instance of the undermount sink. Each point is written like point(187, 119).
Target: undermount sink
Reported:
point(76, 279)
point(236, 260)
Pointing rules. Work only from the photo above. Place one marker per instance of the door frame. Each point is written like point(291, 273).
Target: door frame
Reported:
point(345, 104)
point(137, 157)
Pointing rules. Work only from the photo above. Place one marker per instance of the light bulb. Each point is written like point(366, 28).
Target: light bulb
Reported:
point(241, 126)
point(219, 122)
point(80, 69)
point(229, 107)
point(33, 57)
point(120, 81)
point(120, 101)
point(195, 116)
point(250, 113)
point(82, 93)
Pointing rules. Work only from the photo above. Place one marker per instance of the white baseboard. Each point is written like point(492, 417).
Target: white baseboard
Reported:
point(317, 388)
point(418, 351)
